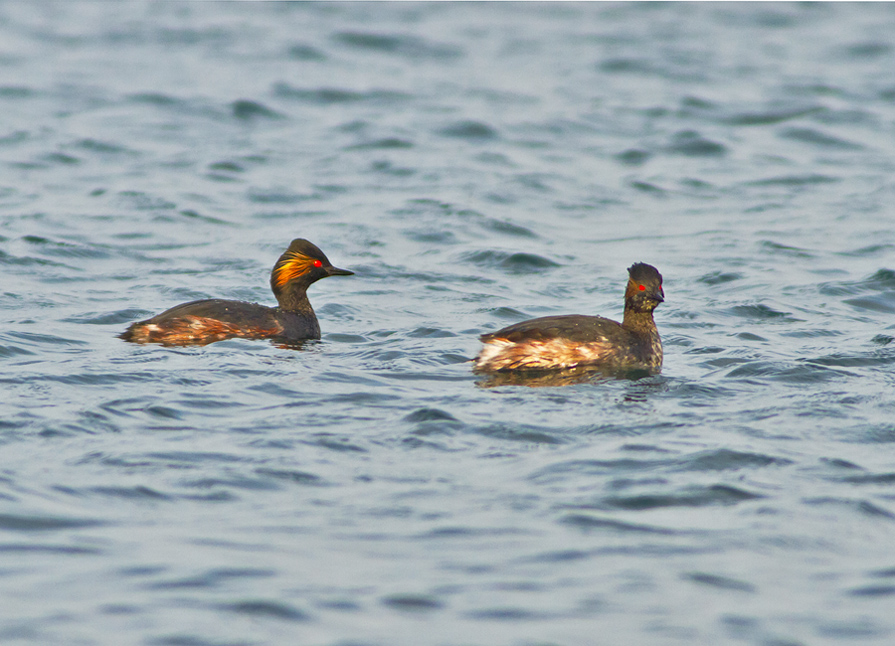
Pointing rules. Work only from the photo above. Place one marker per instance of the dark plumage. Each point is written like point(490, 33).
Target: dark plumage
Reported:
point(210, 320)
point(552, 342)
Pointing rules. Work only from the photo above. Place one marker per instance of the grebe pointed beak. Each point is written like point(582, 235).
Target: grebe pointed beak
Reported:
point(335, 271)
point(659, 295)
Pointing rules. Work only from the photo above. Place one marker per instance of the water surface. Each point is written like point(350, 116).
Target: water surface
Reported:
point(475, 165)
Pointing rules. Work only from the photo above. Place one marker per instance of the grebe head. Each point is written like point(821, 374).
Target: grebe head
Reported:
point(644, 291)
point(300, 265)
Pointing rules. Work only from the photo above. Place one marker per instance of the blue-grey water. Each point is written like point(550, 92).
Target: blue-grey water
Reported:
point(475, 165)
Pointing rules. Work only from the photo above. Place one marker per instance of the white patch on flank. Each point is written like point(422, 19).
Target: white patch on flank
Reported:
point(501, 354)
point(490, 351)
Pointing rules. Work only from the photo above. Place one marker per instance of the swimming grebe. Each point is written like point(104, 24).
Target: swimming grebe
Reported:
point(206, 321)
point(572, 340)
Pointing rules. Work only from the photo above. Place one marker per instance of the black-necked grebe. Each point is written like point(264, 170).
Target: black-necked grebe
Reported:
point(210, 320)
point(554, 342)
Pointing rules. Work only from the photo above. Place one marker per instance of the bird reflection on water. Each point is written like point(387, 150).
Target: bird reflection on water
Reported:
point(564, 377)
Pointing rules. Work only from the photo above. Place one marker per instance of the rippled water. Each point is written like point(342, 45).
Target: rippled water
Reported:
point(474, 165)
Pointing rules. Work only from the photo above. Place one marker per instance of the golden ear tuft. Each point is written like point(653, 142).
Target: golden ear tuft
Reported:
point(291, 267)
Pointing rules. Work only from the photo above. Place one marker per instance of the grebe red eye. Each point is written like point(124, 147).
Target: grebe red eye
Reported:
point(642, 288)
point(318, 263)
